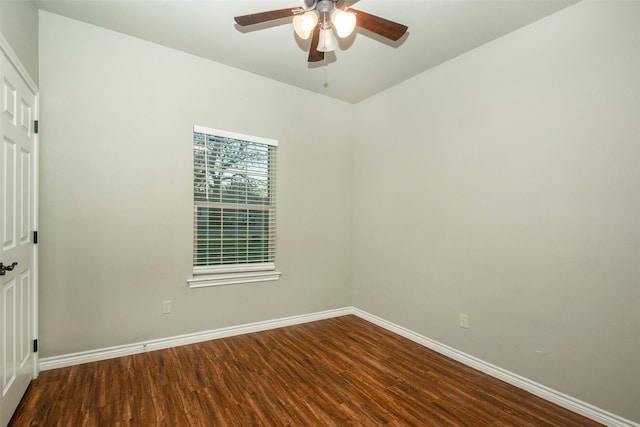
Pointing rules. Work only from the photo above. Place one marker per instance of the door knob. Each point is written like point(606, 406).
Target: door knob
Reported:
point(4, 268)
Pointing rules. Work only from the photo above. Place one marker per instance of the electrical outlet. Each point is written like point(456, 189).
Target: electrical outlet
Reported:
point(464, 321)
point(166, 306)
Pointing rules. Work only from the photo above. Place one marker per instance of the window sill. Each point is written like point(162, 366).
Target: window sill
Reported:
point(223, 279)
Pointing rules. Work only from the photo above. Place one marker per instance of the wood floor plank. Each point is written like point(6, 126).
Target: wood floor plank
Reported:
point(334, 372)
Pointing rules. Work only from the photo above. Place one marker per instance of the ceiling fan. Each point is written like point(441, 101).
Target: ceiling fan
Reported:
point(320, 17)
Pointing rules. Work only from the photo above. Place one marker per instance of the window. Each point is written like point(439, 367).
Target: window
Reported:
point(234, 208)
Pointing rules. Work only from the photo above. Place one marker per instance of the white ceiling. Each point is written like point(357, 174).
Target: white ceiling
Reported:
point(364, 64)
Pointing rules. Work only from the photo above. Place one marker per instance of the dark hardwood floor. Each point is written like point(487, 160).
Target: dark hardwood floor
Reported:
point(335, 372)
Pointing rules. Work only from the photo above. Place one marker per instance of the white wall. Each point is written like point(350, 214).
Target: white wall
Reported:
point(116, 190)
point(504, 184)
point(19, 26)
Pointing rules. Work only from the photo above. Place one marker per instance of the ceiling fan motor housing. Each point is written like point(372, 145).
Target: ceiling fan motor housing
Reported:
point(324, 5)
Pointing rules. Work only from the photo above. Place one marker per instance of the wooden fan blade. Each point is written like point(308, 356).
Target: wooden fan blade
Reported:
point(314, 54)
point(256, 18)
point(387, 29)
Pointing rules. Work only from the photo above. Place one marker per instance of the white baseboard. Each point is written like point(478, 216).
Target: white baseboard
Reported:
point(537, 389)
point(47, 363)
point(532, 387)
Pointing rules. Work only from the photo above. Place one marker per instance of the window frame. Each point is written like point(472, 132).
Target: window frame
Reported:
point(217, 275)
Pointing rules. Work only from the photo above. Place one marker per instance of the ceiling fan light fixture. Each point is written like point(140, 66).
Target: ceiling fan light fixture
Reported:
point(304, 24)
point(318, 20)
point(327, 41)
point(343, 22)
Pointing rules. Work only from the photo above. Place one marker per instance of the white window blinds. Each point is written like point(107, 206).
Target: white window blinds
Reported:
point(234, 199)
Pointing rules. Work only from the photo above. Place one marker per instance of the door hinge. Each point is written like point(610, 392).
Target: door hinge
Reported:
point(35, 346)
point(35, 126)
point(35, 237)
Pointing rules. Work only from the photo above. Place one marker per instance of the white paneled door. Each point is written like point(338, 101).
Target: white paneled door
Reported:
point(18, 279)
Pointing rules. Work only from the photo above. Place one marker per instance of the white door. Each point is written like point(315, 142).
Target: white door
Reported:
point(17, 221)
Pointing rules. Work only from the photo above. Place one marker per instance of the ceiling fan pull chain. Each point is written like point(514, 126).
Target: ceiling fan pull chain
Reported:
point(325, 67)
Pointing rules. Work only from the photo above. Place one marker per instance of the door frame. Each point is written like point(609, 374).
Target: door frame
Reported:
point(5, 49)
